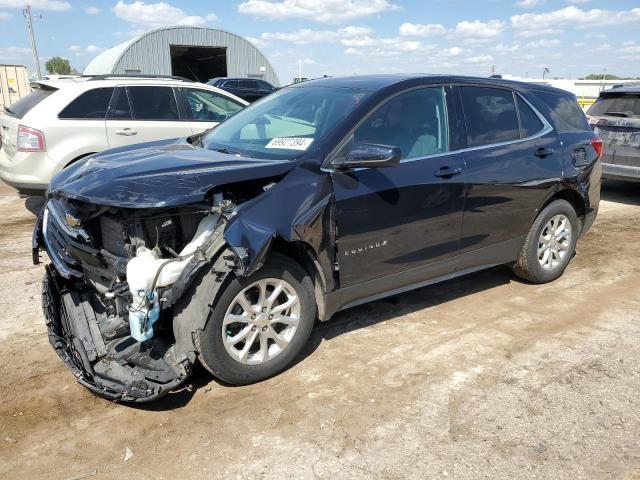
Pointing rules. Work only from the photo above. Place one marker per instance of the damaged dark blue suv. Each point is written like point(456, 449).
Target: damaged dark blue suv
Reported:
point(226, 246)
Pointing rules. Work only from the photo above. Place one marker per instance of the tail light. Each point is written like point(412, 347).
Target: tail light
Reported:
point(596, 143)
point(30, 140)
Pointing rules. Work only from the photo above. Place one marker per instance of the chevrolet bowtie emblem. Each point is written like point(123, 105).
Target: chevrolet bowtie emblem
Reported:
point(71, 220)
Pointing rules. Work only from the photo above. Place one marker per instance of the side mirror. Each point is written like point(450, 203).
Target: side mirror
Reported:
point(369, 155)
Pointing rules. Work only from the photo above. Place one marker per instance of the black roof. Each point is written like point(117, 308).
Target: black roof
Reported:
point(376, 82)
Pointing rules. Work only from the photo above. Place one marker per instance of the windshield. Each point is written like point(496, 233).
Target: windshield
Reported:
point(619, 105)
point(284, 124)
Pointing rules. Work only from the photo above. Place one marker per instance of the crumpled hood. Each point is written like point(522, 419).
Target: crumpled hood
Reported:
point(158, 174)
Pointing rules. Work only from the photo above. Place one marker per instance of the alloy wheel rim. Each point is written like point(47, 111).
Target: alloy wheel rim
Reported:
point(554, 242)
point(261, 321)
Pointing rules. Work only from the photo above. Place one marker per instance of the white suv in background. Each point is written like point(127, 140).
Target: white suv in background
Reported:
point(62, 121)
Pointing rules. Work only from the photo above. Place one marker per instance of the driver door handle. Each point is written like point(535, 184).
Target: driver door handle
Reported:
point(543, 152)
point(448, 171)
point(127, 132)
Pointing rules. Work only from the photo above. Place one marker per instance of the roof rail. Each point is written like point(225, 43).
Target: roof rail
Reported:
point(135, 75)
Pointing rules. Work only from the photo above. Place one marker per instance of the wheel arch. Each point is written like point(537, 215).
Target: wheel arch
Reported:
point(303, 254)
point(571, 196)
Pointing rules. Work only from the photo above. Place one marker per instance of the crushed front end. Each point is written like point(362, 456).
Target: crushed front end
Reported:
point(110, 266)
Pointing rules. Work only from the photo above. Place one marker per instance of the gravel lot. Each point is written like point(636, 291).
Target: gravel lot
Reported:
point(480, 377)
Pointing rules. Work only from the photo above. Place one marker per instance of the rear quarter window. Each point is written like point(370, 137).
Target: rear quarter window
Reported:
point(20, 108)
point(566, 114)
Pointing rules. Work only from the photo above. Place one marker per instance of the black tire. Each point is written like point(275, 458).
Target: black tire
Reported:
point(527, 266)
point(209, 344)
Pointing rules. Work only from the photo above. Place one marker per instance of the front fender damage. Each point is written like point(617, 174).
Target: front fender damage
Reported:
point(96, 345)
point(297, 209)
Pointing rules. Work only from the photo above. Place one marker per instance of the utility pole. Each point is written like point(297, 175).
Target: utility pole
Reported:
point(27, 14)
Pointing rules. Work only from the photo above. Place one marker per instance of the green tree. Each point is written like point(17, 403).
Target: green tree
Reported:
point(58, 66)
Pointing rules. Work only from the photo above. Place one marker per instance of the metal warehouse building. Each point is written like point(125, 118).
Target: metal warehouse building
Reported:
point(192, 52)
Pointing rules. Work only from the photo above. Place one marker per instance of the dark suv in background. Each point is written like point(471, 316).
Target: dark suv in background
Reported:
point(615, 118)
point(225, 246)
point(249, 89)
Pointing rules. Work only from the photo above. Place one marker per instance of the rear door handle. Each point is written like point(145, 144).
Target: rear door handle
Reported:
point(448, 171)
point(127, 132)
point(543, 152)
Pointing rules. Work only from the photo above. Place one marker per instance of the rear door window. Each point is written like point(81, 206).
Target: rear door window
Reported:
point(530, 123)
point(20, 108)
point(264, 86)
point(92, 104)
point(626, 105)
point(566, 114)
point(119, 108)
point(153, 103)
point(249, 84)
point(490, 115)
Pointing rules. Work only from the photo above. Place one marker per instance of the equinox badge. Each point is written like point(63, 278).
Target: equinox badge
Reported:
point(365, 248)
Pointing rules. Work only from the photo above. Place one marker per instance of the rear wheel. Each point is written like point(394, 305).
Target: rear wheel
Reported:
point(259, 324)
point(550, 243)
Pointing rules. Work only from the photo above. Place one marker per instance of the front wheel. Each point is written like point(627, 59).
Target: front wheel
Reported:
point(550, 243)
point(259, 324)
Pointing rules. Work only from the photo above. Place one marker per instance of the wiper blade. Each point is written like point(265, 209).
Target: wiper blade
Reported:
point(618, 114)
point(7, 109)
point(224, 150)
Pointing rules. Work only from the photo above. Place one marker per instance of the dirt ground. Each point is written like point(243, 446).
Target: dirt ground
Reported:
point(480, 377)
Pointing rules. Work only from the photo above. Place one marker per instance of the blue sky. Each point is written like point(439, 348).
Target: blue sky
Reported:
point(343, 37)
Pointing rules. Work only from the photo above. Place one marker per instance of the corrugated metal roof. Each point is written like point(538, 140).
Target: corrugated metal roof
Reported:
point(149, 53)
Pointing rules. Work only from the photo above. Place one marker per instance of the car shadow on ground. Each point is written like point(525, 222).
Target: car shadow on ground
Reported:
point(356, 318)
point(627, 193)
point(34, 204)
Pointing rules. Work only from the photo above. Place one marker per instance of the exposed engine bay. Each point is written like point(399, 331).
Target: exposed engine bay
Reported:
point(133, 233)
point(116, 275)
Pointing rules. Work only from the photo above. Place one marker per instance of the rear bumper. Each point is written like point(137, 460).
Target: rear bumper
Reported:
point(620, 172)
point(27, 172)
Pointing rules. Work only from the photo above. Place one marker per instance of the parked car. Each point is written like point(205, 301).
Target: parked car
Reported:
point(250, 89)
point(226, 246)
point(615, 118)
point(65, 120)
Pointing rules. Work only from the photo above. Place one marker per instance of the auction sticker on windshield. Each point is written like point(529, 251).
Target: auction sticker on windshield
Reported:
point(290, 143)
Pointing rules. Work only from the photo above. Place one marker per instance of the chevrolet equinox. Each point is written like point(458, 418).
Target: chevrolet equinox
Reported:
point(225, 246)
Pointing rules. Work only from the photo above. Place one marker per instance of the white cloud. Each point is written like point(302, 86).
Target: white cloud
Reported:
point(453, 52)
point(529, 3)
point(479, 59)
point(307, 35)
point(543, 43)
point(13, 53)
point(308, 61)
point(212, 17)
point(154, 15)
point(92, 10)
point(5, 16)
point(79, 51)
point(507, 49)
point(418, 30)
point(56, 5)
point(330, 11)
point(479, 31)
point(533, 23)
point(384, 47)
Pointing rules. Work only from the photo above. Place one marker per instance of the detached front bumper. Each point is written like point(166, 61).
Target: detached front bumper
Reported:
point(119, 370)
point(97, 349)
